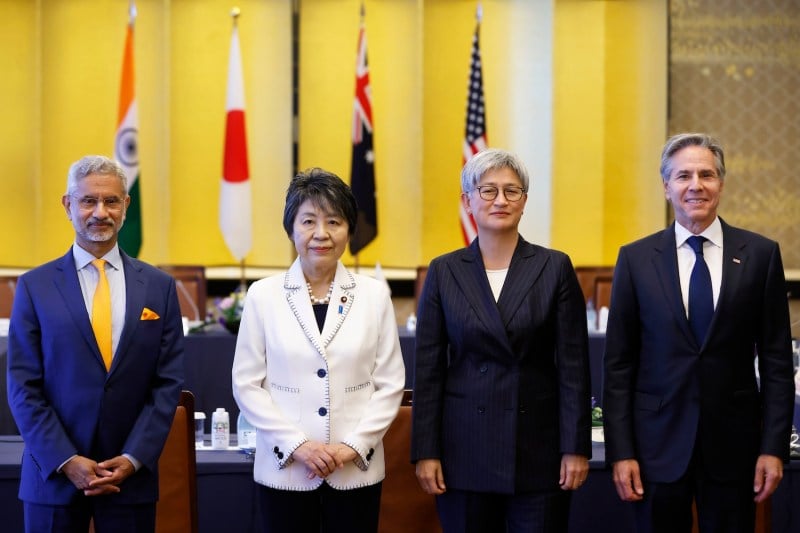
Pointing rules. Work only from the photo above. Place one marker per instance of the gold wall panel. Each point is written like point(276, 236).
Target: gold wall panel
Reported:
point(734, 72)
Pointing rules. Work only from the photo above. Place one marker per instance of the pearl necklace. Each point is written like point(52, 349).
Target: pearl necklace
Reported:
point(320, 301)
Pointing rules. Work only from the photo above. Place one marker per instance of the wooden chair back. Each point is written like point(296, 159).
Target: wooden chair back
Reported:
point(587, 278)
point(763, 517)
point(8, 285)
point(176, 510)
point(602, 292)
point(419, 282)
point(404, 506)
point(190, 282)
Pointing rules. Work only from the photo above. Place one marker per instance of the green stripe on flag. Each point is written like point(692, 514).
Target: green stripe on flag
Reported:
point(130, 237)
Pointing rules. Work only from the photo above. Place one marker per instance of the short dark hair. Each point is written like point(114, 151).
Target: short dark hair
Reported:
point(325, 190)
point(680, 141)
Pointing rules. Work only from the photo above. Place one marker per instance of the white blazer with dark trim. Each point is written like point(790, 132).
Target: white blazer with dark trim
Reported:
point(295, 384)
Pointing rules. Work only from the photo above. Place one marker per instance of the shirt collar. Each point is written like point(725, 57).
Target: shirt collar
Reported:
point(83, 258)
point(713, 233)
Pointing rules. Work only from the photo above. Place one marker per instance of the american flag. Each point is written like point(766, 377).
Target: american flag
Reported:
point(475, 136)
point(362, 177)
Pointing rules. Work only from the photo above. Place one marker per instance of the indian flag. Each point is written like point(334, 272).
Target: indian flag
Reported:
point(126, 146)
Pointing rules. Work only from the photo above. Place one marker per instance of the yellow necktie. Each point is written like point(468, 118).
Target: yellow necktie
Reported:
point(101, 312)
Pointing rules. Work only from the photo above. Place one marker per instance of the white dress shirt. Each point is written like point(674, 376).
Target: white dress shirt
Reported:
point(712, 253)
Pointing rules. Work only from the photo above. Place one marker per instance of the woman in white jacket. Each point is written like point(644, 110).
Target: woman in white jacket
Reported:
point(318, 371)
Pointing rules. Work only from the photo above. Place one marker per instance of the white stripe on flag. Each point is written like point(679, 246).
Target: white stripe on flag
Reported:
point(235, 217)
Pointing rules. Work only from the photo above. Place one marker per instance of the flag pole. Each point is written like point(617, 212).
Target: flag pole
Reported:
point(235, 12)
point(361, 13)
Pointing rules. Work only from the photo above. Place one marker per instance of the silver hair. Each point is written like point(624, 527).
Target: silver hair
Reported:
point(94, 164)
point(680, 141)
point(492, 159)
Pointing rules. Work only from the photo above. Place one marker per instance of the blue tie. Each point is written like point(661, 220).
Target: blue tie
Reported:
point(701, 298)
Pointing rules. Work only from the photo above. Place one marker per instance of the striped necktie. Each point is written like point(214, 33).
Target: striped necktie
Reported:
point(101, 312)
point(701, 297)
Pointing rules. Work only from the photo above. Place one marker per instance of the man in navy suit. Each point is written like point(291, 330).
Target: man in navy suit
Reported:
point(93, 428)
point(686, 415)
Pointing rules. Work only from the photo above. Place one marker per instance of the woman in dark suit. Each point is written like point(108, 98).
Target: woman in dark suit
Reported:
point(501, 423)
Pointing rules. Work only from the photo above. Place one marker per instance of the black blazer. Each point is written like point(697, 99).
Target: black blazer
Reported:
point(663, 393)
point(501, 388)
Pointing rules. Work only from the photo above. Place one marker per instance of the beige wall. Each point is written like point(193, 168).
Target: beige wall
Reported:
point(610, 123)
point(61, 64)
point(63, 60)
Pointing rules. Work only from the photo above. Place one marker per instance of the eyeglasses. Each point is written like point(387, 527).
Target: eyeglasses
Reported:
point(89, 203)
point(489, 192)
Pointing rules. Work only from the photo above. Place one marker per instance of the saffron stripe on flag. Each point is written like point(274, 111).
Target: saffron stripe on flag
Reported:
point(126, 145)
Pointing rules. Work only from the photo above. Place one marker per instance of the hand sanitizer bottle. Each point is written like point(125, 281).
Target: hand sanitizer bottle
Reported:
point(220, 429)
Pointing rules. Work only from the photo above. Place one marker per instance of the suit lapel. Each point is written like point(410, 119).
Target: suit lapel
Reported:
point(297, 296)
point(342, 300)
point(665, 262)
point(135, 291)
point(69, 287)
point(734, 262)
point(525, 268)
point(470, 275)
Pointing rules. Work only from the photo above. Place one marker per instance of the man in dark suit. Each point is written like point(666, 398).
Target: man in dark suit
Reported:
point(95, 368)
point(686, 416)
point(501, 424)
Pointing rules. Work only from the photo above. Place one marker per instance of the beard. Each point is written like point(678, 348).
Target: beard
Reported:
point(101, 233)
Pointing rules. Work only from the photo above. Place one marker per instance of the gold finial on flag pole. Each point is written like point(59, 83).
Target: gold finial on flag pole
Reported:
point(235, 12)
point(479, 13)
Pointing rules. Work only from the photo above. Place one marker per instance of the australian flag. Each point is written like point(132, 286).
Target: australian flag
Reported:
point(362, 178)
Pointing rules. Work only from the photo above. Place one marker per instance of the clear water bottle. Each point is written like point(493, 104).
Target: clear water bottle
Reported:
point(220, 429)
point(245, 433)
point(411, 323)
point(591, 316)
